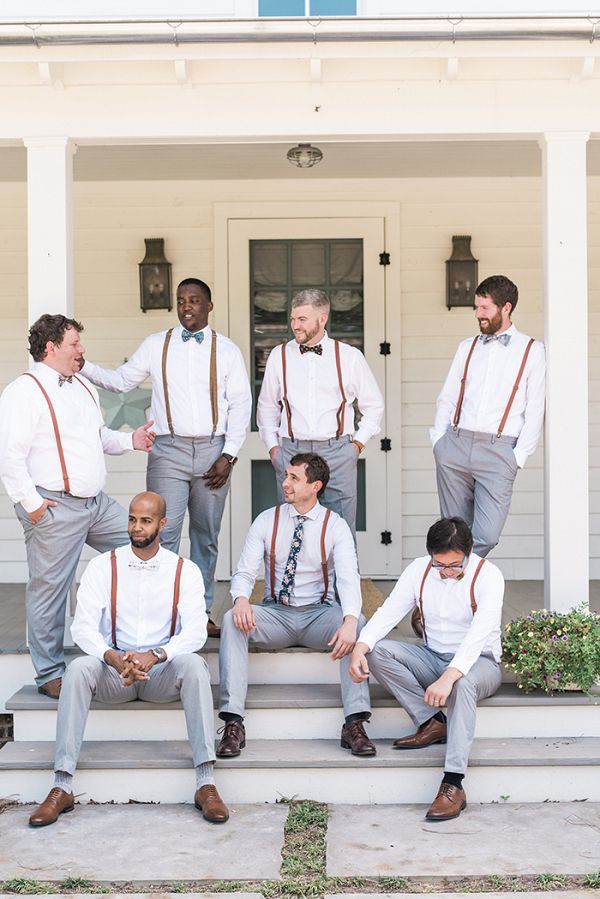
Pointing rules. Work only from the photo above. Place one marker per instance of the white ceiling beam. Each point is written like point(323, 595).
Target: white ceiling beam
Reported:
point(50, 74)
point(452, 68)
point(183, 72)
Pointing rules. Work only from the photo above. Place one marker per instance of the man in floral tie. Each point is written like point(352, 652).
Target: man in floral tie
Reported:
point(304, 547)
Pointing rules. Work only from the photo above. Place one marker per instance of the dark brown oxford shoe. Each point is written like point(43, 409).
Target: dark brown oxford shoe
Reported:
point(448, 804)
point(56, 802)
point(212, 629)
point(433, 731)
point(208, 801)
point(353, 737)
point(232, 741)
point(51, 688)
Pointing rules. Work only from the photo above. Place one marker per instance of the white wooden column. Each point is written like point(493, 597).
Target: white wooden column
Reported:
point(566, 501)
point(49, 225)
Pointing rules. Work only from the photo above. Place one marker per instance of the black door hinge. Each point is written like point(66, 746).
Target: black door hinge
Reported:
point(386, 444)
point(386, 537)
point(384, 348)
point(384, 259)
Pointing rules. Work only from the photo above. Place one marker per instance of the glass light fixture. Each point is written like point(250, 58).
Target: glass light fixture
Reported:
point(304, 156)
point(461, 273)
point(155, 276)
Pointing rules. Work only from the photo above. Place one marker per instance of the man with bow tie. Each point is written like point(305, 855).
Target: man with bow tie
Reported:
point(140, 621)
point(306, 402)
point(201, 404)
point(52, 445)
point(490, 414)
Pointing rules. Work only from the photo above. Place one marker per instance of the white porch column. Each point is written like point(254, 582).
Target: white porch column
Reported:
point(49, 225)
point(566, 501)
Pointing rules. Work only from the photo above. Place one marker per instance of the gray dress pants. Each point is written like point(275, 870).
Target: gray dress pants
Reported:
point(475, 477)
point(54, 546)
point(186, 677)
point(175, 469)
point(277, 627)
point(342, 458)
point(407, 669)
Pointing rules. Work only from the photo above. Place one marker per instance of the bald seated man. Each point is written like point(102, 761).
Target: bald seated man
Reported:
point(130, 655)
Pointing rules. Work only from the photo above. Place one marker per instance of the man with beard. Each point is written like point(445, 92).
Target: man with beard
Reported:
point(489, 415)
point(306, 402)
point(201, 405)
point(140, 621)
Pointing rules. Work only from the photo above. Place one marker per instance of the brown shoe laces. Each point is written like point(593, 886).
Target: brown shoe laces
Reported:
point(229, 729)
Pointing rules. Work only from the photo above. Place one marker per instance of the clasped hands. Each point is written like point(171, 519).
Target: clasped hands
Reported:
point(132, 666)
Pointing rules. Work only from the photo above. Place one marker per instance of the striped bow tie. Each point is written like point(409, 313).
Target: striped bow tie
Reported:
point(318, 349)
point(65, 379)
point(504, 339)
point(187, 335)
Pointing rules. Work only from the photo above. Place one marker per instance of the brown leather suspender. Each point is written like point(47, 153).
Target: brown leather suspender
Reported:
point(341, 411)
point(59, 446)
point(113, 596)
point(323, 554)
point(419, 618)
point(214, 387)
point(463, 382)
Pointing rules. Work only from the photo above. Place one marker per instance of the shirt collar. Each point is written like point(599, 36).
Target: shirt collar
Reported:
point(206, 331)
point(134, 562)
point(45, 372)
point(314, 513)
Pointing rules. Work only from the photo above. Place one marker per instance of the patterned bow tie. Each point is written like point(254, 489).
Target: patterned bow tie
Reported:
point(144, 565)
point(187, 335)
point(318, 349)
point(289, 576)
point(504, 339)
point(65, 379)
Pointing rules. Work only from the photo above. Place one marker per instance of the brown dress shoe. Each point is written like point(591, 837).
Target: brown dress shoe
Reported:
point(433, 731)
point(51, 688)
point(56, 802)
point(353, 737)
point(232, 741)
point(212, 629)
point(448, 804)
point(208, 801)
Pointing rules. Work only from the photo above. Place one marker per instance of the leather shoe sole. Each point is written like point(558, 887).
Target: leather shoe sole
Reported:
point(49, 810)
point(429, 817)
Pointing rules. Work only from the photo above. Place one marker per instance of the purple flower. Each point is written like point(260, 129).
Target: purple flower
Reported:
point(557, 674)
point(564, 637)
point(554, 637)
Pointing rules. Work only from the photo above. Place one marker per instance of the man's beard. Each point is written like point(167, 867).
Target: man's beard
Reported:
point(494, 324)
point(143, 542)
point(308, 335)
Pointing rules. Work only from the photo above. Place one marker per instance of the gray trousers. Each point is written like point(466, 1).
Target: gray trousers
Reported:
point(186, 677)
point(475, 476)
point(277, 627)
point(54, 546)
point(341, 456)
point(407, 669)
point(175, 469)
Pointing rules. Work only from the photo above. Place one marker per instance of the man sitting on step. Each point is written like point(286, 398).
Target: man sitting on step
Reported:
point(456, 598)
point(140, 619)
point(305, 547)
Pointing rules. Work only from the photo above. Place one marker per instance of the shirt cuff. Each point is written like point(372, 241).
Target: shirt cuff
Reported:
point(434, 435)
point(32, 501)
point(270, 439)
point(231, 448)
point(461, 663)
point(362, 436)
point(520, 457)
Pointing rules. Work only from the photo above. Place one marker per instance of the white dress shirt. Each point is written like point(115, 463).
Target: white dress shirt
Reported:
point(188, 380)
point(28, 452)
point(144, 605)
point(308, 584)
point(449, 621)
point(493, 370)
point(313, 392)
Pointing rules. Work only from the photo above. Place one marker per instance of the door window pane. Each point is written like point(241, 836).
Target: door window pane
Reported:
point(333, 7)
point(281, 8)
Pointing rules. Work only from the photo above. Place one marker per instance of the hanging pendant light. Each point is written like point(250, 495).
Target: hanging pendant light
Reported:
point(304, 156)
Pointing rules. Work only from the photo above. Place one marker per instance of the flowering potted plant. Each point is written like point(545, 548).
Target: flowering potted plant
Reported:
point(554, 651)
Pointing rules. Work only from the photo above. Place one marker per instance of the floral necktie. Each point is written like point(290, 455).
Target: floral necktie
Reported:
point(289, 575)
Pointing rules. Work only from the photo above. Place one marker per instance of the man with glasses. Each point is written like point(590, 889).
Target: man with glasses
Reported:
point(457, 597)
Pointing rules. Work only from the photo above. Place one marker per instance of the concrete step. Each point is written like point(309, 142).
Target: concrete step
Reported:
point(311, 711)
point(511, 770)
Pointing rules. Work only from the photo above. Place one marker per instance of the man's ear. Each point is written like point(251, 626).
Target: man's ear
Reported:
point(162, 523)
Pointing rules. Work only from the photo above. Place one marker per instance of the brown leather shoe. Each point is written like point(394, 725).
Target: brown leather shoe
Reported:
point(51, 688)
point(232, 741)
point(212, 629)
point(56, 802)
point(448, 804)
point(208, 801)
point(353, 737)
point(433, 731)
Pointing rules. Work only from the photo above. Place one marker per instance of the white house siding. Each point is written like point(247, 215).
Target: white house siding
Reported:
point(503, 216)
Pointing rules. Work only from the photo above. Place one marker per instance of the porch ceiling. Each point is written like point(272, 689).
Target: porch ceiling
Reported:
point(352, 159)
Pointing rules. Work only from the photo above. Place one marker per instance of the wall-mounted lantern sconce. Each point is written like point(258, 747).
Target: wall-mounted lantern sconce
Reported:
point(461, 273)
point(155, 276)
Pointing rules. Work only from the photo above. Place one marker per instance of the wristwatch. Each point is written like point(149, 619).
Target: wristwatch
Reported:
point(160, 654)
point(231, 459)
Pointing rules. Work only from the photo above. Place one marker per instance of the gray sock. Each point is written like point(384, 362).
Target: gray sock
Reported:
point(204, 774)
point(64, 781)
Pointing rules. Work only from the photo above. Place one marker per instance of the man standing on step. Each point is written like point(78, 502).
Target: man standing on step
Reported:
point(52, 445)
point(490, 415)
point(457, 597)
point(140, 619)
point(306, 402)
point(304, 547)
point(201, 404)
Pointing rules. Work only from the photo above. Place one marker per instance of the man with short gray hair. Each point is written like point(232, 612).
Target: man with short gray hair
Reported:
point(306, 402)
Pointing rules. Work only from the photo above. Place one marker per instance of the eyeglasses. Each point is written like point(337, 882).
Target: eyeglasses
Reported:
point(439, 566)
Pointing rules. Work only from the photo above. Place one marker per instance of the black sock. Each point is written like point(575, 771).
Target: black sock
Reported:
point(450, 777)
point(358, 716)
point(441, 717)
point(229, 716)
